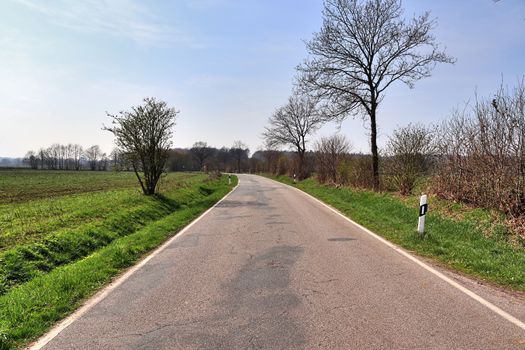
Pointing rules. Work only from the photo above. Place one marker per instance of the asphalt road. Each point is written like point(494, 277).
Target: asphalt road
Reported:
point(270, 268)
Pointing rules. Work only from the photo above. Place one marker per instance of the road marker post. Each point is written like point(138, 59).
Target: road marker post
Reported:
point(229, 179)
point(294, 178)
point(423, 209)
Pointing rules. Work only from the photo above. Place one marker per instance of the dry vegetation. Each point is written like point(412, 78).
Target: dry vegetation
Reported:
point(482, 154)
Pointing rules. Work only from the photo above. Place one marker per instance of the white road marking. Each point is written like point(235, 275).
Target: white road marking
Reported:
point(102, 294)
point(430, 269)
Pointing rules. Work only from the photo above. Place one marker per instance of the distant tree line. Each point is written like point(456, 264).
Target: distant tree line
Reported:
point(7, 162)
point(201, 157)
point(69, 157)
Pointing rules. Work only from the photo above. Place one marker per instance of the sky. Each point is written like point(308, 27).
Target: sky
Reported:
point(226, 65)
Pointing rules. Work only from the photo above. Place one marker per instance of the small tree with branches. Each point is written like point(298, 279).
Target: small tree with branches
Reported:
point(410, 151)
point(144, 135)
point(330, 153)
point(291, 125)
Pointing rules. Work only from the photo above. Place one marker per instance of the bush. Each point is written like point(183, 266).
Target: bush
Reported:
point(330, 152)
point(359, 171)
point(482, 154)
point(282, 165)
point(344, 172)
point(410, 151)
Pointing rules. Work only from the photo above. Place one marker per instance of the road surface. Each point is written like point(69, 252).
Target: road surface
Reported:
point(270, 268)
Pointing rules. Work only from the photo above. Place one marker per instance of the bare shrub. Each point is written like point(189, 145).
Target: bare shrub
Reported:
point(271, 159)
point(409, 152)
point(330, 152)
point(483, 153)
point(282, 165)
point(344, 171)
point(359, 171)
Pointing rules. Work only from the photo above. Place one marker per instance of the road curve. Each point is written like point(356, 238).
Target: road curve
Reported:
point(270, 268)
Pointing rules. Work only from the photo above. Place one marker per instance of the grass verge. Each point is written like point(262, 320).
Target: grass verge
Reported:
point(30, 309)
point(460, 243)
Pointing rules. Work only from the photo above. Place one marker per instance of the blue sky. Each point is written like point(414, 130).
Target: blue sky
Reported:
point(225, 64)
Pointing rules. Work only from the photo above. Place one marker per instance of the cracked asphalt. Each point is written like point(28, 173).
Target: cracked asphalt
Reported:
point(270, 268)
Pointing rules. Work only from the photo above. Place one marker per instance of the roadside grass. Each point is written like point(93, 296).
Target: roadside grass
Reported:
point(84, 223)
point(470, 242)
point(77, 264)
point(28, 220)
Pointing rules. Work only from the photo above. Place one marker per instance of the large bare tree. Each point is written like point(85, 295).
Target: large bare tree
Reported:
point(362, 48)
point(144, 135)
point(291, 124)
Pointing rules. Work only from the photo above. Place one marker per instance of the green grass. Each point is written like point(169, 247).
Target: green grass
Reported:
point(470, 241)
point(49, 266)
point(23, 185)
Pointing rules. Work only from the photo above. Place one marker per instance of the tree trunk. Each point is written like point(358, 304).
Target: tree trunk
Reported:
point(138, 178)
point(373, 142)
point(300, 170)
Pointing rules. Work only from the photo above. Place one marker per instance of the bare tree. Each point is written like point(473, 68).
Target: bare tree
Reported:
point(31, 158)
point(362, 48)
point(144, 136)
point(291, 125)
point(103, 162)
point(75, 155)
point(93, 155)
point(239, 151)
point(201, 152)
point(53, 156)
point(330, 152)
point(43, 155)
point(116, 160)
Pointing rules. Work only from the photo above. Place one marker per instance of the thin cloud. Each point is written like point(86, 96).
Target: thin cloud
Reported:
point(122, 18)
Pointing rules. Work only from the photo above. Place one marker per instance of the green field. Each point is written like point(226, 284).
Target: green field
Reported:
point(63, 235)
point(25, 185)
point(469, 240)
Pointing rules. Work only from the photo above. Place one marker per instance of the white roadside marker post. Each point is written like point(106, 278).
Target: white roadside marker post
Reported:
point(423, 208)
point(229, 179)
point(294, 178)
